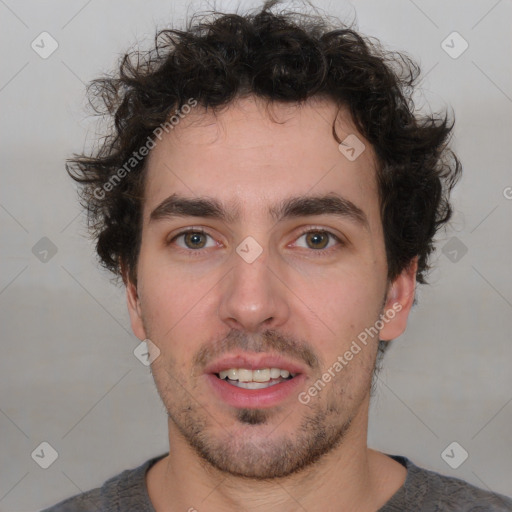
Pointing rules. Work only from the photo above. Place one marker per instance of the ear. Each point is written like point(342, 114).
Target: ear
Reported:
point(133, 302)
point(399, 301)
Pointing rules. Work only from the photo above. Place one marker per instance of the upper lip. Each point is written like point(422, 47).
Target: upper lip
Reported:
point(253, 362)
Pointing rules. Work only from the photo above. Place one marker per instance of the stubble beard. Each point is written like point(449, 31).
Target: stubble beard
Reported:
point(321, 430)
point(256, 456)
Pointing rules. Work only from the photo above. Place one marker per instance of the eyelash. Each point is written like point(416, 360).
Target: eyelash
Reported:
point(199, 252)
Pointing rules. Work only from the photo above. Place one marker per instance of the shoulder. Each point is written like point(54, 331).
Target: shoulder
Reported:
point(84, 502)
point(437, 492)
point(124, 492)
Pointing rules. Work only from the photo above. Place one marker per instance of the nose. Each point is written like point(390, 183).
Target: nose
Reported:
point(254, 296)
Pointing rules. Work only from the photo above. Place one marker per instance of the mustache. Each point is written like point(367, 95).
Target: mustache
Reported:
point(269, 341)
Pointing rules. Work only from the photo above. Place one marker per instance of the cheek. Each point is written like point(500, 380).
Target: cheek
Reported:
point(347, 309)
point(345, 301)
point(167, 303)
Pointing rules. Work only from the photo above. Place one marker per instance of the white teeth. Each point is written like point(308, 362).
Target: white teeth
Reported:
point(275, 373)
point(244, 375)
point(260, 375)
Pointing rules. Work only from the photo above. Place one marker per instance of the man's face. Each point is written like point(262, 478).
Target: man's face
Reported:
point(212, 303)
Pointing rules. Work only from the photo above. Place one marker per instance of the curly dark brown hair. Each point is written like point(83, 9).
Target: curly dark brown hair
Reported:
point(281, 57)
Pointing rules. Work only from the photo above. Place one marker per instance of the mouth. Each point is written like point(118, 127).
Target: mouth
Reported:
point(260, 378)
point(254, 381)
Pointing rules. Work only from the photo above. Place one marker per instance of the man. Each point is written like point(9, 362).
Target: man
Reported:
point(269, 198)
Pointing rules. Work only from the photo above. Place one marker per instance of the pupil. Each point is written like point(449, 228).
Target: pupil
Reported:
point(194, 238)
point(316, 237)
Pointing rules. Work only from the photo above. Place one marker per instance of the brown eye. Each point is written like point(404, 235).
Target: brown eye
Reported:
point(317, 239)
point(195, 239)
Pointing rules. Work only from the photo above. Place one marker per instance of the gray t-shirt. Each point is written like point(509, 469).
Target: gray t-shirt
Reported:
point(423, 491)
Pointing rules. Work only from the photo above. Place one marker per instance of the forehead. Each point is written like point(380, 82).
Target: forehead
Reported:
point(251, 156)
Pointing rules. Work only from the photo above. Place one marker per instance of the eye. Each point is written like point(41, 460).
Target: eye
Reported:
point(195, 239)
point(319, 239)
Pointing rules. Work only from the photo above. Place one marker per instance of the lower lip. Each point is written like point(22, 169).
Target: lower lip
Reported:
point(255, 398)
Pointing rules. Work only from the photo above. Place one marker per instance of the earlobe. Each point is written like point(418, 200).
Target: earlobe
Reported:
point(399, 301)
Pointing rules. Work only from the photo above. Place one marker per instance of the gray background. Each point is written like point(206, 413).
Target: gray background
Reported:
point(68, 375)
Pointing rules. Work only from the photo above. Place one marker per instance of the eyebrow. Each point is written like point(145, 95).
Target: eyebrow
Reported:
point(293, 207)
